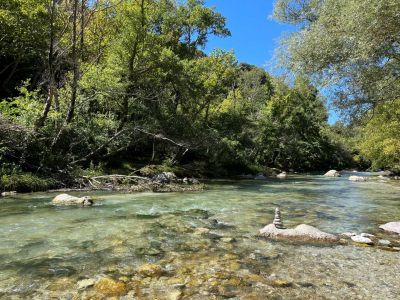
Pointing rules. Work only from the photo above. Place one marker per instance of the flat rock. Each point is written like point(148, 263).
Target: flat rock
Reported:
point(391, 227)
point(358, 178)
point(65, 199)
point(361, 240)
point(301, 232)
point(332, 173)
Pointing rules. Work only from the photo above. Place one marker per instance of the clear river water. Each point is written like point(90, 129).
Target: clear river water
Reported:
point(50, 252)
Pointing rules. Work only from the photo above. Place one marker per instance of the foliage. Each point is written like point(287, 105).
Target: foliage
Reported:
point(126, 83)
point(352, 47)
point(380, 138)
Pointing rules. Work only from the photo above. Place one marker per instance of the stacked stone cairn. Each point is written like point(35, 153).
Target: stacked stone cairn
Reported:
point(277, 220)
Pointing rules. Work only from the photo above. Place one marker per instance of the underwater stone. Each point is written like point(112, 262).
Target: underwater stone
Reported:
point(150, 270)
point(85, 283)
point(110, 287)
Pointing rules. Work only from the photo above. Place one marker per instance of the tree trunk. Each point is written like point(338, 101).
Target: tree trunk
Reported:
point(52, 86)
point(71, 109)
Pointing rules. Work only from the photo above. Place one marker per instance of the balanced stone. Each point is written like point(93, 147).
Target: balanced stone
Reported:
point(278, 220)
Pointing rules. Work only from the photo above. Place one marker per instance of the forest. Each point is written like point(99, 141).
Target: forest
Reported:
point(125, 86)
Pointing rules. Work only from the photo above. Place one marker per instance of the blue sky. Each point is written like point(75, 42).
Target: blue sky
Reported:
point(254, 35)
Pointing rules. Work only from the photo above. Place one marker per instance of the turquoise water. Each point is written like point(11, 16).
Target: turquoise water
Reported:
point(45, 250)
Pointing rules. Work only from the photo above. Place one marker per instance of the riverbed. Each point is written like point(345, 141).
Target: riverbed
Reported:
point(201, 245)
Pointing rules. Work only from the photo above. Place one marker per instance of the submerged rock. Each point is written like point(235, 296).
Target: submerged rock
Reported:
point(65, 199)
point(302, 232)
point(260, 177)
point(358, 178)
point(332, 173)
point(85, 283)
point(391, 227)
point(110, 287)
point(150, 270)
point(361, 240)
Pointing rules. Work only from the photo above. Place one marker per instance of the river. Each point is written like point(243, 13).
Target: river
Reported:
point(46, 250)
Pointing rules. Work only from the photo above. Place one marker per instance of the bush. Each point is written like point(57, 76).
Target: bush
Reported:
point(26, 182)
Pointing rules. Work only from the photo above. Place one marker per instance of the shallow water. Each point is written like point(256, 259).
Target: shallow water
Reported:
point(45, 250)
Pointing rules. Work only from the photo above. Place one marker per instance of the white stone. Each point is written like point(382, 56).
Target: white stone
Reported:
point(65, 199)
point(301, 232)
point(332, 173)
point(362, 240)
point(384, 243)
point(282, 175)
point(357, 178)
point(391, 226)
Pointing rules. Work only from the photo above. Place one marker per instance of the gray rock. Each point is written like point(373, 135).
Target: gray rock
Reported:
point(361, 240)
point(65, 199)
point(301, 232)
point(332, 173)
point(384, 243)
point(165, 177)
point(391, 227)
point(358, 178)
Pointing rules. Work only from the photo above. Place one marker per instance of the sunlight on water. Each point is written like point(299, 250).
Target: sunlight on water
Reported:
point(45, 250)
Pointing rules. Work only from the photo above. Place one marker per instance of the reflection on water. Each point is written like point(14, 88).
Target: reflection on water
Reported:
point(204, 241)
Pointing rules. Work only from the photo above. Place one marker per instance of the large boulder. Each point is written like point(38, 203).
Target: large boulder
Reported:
point(65, 199)
point(165, 177)
point(302, 232)
point(332, 173)
point(357, 178)
point(391, 227)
